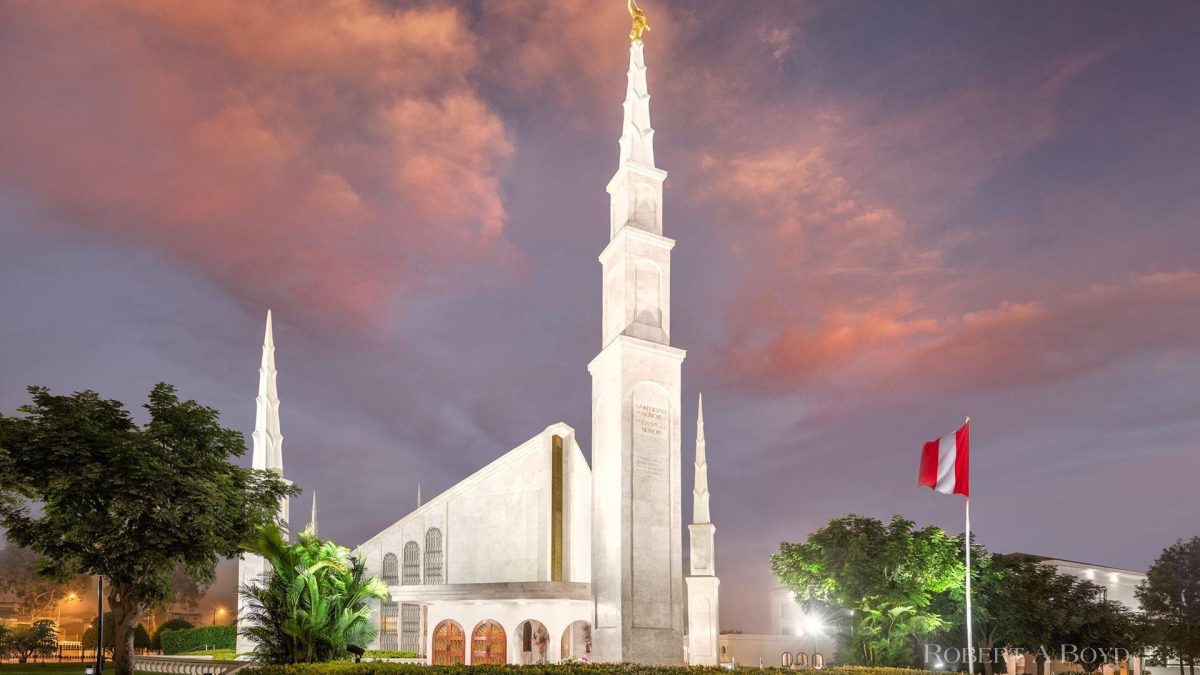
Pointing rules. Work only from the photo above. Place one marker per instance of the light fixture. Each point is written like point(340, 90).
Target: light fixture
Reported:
point(813, 624)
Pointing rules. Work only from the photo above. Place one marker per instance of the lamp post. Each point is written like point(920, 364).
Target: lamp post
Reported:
point(216, 611)
point(58, 618)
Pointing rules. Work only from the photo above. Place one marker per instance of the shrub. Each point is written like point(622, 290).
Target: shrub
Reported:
point(391, 654)
point(173, 624)
point(191, 639)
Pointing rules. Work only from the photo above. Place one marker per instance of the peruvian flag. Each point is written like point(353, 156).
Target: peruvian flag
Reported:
point(945, 463)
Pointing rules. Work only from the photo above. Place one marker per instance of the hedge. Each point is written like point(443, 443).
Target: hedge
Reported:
point(391, 654)
point(190, 639)
point(383, 668)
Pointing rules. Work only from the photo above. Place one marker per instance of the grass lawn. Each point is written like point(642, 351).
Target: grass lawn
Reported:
point(218, 654)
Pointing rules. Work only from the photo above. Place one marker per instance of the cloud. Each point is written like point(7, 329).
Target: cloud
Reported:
point(326, 157)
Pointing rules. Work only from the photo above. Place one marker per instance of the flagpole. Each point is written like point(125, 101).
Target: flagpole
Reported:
point(967, 546)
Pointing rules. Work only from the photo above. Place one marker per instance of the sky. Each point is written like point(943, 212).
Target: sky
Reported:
point(888, 216)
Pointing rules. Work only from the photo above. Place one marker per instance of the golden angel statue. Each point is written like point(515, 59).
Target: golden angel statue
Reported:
point(639, 22)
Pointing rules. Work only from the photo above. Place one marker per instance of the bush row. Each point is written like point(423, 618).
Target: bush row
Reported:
point(189, 639)
point(347, 668)
point(391, 654)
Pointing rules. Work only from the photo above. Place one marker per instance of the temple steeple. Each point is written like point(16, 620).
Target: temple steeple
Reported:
point(312, 520)
point(636, 464)
point(702, 584)
point(267, 437)
point(700, 492)
point(267, 455)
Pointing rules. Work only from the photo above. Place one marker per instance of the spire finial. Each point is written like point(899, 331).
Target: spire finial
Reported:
point(640, 24)
point(418, 495)
point(700, 513)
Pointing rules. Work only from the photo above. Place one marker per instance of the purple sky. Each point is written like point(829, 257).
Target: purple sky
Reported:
point(888, 215)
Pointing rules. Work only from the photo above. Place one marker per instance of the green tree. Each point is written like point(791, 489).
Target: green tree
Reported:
point(39, 596)
point(93, 493)
point(141, 637)
point(313, 603)
point(1170, 598)
point(889, 576)
point(26, 642)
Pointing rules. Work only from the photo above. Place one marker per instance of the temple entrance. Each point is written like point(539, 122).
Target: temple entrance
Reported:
point(449, 644)
point(488, 644)
point(577, 642)
point(534, 640)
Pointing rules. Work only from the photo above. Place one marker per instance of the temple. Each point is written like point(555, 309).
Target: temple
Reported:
point(542, 556)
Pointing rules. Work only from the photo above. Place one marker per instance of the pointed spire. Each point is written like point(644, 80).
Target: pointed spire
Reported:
point(312, 520)
point(637, 136)
point(267, 437)
point(418, 495)
point(700, 512)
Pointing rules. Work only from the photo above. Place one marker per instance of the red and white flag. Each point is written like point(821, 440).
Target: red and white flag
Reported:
point(945, 463)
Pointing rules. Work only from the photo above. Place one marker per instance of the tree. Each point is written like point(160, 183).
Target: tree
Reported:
point(888, 575)
point(141, 637)
point(1170, 597)
point(93, 493)
point(38, 595)
point(26, 642)
point(313, 603)
point(185, 592)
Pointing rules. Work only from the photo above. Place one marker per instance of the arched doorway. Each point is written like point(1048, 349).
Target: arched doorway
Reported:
point(488, 644)
point(534, 643)
point(577, 642)
point(449, 644)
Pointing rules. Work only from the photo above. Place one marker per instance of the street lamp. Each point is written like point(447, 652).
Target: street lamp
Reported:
point(58, 619)
point(220, 611)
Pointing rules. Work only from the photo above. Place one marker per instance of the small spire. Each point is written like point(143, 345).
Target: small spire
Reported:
point(267, 438)
point(700, 513)
point(418, 495)
point(312, 520)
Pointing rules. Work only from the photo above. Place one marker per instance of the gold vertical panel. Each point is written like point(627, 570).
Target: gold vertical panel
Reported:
point(556, 510)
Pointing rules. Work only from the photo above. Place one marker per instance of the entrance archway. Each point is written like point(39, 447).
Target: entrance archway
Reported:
point(449, 644)
point(488, 644)
point(533, 642)
point(577, 642)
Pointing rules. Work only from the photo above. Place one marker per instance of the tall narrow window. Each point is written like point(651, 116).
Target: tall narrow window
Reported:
point(388, 618)
point(412, 564)
point(433, 556)
point(391, 571)
point(410, 627)
point(556, 509)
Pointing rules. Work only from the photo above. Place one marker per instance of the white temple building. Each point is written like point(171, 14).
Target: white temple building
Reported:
point(541, 556)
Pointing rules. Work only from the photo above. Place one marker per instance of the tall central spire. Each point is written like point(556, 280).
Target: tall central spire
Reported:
point(268, 439)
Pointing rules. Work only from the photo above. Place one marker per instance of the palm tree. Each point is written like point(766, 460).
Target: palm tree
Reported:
point(312, 604)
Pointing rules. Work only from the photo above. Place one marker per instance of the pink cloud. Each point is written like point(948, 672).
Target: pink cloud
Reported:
point(307, 155)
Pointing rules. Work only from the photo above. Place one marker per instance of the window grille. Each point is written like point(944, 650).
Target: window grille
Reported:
point(412, 564)
point(410, 627)
point(391, 573)
point(433, 556)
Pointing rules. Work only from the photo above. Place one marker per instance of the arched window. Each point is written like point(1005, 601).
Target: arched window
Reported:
point(433, 556)
point(802, 659)
point(391, 570)
point(818, 661)
point(412, 564)
point(786, 660)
